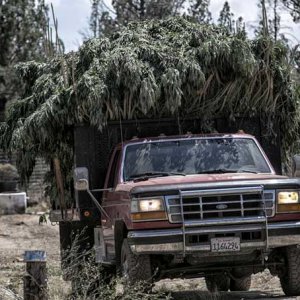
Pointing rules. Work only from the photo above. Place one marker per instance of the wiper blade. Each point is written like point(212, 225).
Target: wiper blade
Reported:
point(221, 171)
point(176, 173)
point(147, 175)
point(217, 171)
point(246, 171)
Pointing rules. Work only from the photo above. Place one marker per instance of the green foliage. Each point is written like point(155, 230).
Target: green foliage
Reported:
point(151, 69)
point(22, 28)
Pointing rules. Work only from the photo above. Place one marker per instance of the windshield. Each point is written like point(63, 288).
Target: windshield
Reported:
point(193, 156)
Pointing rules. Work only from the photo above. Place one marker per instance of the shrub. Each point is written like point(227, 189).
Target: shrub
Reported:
point(8, 172)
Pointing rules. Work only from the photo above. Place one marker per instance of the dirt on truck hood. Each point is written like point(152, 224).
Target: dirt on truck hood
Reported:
point(177, 180)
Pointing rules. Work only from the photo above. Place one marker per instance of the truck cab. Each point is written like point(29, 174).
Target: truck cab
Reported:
point(199, 205)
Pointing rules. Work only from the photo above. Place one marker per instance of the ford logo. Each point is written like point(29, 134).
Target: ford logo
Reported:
point(221, 206)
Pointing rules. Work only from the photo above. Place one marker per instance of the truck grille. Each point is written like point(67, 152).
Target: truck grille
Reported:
point(228, 203)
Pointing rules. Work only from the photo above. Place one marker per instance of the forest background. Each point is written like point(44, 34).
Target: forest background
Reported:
point(27, 28)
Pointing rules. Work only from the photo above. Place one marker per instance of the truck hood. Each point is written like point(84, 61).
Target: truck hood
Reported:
point(181, 182)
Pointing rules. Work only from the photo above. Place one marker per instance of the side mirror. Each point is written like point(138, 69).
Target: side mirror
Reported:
point(296, 166)
point(81, 179)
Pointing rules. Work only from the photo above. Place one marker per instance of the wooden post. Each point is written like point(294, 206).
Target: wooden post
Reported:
point(35, 279)
point(60, 187)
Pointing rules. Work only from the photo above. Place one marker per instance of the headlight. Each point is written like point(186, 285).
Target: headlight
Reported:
point(149, 209)
point(288, 197)
point(288, 202)
point(142, 205)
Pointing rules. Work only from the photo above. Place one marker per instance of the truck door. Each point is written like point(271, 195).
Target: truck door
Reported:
point(111, 201)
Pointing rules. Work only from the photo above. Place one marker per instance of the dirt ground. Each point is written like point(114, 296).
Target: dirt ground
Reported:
point(23, 232)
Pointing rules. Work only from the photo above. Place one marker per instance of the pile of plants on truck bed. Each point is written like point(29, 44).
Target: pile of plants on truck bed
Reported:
point(150, 69)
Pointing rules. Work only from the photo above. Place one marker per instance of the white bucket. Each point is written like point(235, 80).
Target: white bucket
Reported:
point(13, 203)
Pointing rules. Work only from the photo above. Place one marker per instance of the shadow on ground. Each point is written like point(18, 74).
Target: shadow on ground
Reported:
point(202, 295)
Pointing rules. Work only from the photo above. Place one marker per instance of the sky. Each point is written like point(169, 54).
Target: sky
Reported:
point(73, 18)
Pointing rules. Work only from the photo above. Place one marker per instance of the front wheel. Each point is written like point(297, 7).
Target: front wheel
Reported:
point(134, 267)
point(290, 280)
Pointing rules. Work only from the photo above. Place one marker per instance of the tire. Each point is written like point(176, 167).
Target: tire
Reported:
point(290, 281)
point(134, 267)
point(240, 284)
point(217, 283)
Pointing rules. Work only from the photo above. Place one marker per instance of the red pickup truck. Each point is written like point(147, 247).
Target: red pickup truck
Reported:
point(193, 206)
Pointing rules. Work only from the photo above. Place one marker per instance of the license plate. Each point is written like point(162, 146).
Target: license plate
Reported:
point(227, 244)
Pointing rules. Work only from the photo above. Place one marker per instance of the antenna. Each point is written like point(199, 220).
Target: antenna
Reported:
point(121, 129)
point(178, 123)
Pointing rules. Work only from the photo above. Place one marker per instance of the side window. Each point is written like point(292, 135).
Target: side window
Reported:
point(113, 171)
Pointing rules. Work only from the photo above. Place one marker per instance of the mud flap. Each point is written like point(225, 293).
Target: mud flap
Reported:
point(99, 245)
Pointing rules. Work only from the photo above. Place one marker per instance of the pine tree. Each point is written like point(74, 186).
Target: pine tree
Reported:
point(199, 11)
point(101, 21)
point(23, 26)
point(132, 10)
point(240, 28)
point(274, 23)
point(164, 8)
point(294, 8)
point(94, 18)
point(104, 21)
point(226, 17)
point(263, 24)
point(269, 23)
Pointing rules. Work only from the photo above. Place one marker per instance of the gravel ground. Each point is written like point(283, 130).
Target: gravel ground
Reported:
point(23, 232)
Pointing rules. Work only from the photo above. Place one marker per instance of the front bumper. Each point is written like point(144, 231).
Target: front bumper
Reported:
point(176, 241)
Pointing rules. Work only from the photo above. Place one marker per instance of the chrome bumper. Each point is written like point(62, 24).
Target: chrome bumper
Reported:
point(170, 241)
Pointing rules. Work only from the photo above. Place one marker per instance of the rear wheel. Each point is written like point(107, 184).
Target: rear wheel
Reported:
point(217, 283)
point(134, 267)
point(240, 284)
point(290, 280)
